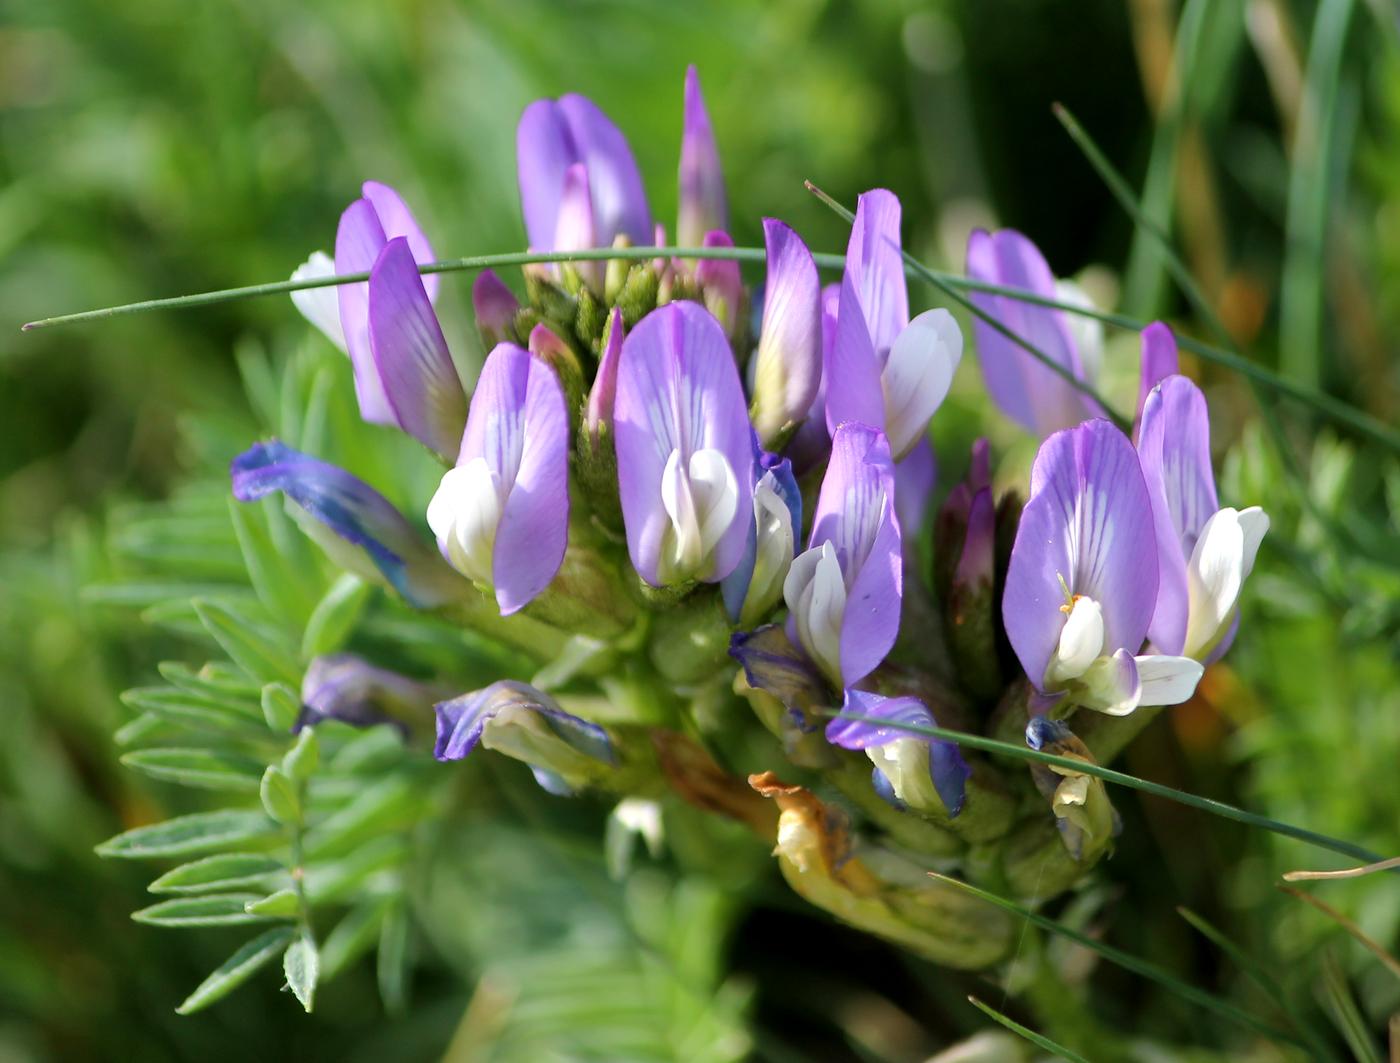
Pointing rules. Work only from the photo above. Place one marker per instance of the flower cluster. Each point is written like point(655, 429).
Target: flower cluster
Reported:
point(644, 466)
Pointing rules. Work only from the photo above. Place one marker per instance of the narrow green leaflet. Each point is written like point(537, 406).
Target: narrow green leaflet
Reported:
point(354, 935)
point(204, 768)
point(279, 586)
point(279, 796)
point(223, 872)
point(335, 616)
point(237, 969)
point(197, 711)
point(1039, 1040)
point(281, 707)
point(284, 904)
point(393, 960)
point(201, 832)
point(219, 909)
point(254, 648)
point(302, 966)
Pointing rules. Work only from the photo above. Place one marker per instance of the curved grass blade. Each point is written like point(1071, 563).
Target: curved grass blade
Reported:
point(1205, 804)
point(1039, 1040)
point(1346, 872)
point(1128, 962)
point(940, 282)
point(1338, 999)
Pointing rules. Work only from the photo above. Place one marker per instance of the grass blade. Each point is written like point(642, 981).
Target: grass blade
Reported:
point(1128, 962)
point(1205, 804)
point(1039, 1040)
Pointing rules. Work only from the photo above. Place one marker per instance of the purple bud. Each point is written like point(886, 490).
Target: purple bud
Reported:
point(495, 306)
point(702, 200)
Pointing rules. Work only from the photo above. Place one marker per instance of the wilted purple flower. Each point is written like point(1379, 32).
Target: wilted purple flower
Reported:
point(1205, 553)
point(684, 448)
point(703, 207)
point(564, 752)
point(1026, 390)
point(843, 593)
point(884, 369)
point(756, 584)
point(366, 226)
point(344, 687)
point(502, 515)
point(788, 361)
point(923, 772)
point(1082, 582)
point(356, 525)
point(495, 306)
point(1085, 816)
point(555, 135)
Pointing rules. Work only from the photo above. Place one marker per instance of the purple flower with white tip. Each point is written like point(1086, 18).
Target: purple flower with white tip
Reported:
point(703, 206)
point(756, 584)
point(684, 448)
point(355, 524)
point(884, 369)
point(564, 752)
point(501, 515)
point(1082, 583)
point(1027, 391)
point(555, 135)
point(320, 306)
point(366, 226)
point(843, 593)
point(923, 772)
point(788, 361)
point(1205, 553)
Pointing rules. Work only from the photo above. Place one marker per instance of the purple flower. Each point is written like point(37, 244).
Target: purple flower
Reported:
point(1082, 583)
point(1205, 553)
point(702, 201)
point(555, 135)
point(502, 515)
point(356, 525)
point(843, 593)
point(1026, 390)
point(756, 584)
point(684, 448)
point(564, 752)
point(414, 366)
point(788, 362)
point(810, 446)
point(884, 369)
point(366, 226)
point(344, 687)
point(925, 773)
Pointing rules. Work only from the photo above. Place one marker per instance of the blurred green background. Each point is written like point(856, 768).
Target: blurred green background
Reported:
point(160, 147)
